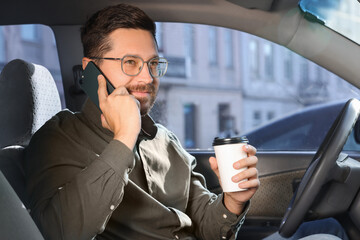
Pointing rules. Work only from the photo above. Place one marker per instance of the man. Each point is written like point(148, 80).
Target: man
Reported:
point(114, 174)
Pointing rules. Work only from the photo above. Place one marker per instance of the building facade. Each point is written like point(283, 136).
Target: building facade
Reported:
point(223, 82)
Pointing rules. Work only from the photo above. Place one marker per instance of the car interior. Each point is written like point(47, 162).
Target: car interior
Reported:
point(295, 185)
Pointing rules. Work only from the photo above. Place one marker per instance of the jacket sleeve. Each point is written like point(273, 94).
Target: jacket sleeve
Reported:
point(209, 214)
point(73, 191)
point(210, 217)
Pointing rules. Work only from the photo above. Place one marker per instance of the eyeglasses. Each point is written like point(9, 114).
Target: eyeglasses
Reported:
point(132, 65)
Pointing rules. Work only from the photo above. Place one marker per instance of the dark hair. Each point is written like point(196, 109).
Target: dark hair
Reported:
point(95, 32)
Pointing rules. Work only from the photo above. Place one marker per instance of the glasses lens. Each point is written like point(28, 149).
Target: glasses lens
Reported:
point(158, 66)
point(132, 65)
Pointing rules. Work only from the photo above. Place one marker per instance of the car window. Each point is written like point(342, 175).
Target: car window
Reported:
point(222, 82)
point(303, 130)
point(33, 43)
point(289, 141)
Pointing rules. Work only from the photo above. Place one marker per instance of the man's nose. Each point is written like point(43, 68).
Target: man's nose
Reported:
point(144, 75)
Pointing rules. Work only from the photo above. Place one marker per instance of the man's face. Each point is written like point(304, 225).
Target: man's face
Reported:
point(139, 43)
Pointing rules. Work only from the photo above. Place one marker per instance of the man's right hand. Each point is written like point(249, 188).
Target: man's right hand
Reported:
point(120, 113)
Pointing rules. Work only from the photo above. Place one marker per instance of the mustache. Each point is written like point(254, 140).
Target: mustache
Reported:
point(150, 88)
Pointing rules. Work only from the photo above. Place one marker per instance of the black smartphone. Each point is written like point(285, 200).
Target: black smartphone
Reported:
point(89, 82)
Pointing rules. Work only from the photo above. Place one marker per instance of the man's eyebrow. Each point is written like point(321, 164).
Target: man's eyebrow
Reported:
point(136, 55)
point(153, 56)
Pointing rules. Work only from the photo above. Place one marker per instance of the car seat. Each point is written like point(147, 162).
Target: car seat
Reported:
point(28, 98)
point(16, 223)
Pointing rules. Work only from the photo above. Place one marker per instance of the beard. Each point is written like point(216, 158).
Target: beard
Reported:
point(146, 103)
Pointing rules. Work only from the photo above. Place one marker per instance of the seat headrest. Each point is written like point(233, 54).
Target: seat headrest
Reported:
point(28, 98)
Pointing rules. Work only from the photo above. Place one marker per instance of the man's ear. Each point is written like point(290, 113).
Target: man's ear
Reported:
point(85, 62)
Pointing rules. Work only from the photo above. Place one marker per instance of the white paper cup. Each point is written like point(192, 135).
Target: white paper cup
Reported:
point(228, 151)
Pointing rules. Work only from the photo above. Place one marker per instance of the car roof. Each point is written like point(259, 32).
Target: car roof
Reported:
point(75, 12)
point(279, 21)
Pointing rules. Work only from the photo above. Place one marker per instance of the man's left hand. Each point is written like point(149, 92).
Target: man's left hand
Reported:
point(235, 201)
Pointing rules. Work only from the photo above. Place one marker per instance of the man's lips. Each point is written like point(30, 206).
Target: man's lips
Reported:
point(139, 94)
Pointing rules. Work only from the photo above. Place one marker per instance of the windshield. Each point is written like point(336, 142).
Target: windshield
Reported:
point(342, 16)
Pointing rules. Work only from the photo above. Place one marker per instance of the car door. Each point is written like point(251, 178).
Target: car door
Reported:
point(280, 173)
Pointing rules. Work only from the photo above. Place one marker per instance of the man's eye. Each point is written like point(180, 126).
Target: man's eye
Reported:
point(130, 62)
point(154, 63)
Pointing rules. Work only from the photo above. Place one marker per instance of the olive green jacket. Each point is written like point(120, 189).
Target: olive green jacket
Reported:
point(85, 185)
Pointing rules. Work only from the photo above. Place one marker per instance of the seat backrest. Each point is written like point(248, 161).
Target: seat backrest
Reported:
point(11, 164)
point(28, 98)
point(16, 222)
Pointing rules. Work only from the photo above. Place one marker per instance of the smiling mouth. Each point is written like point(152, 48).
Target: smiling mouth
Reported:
point(140, 94)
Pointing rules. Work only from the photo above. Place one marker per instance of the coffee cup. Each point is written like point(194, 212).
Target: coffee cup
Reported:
point(227, 152)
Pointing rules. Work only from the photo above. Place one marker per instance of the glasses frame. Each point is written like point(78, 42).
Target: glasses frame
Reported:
point(133, 75)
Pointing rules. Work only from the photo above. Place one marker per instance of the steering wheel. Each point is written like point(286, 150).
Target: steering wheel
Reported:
point(317, 174)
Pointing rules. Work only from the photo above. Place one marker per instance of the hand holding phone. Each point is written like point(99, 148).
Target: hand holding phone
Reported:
point(120, 110)
point(89, 82)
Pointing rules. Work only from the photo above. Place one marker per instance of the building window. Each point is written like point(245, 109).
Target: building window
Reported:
point(256, 118)
point(223, 114)
point(229, 58)
point(190, 125)
point(189, 41)
point(160, 36)
point(270, 115)
point(269, 61)
point(227, 122)
point(29, 33)
point(228, 127)
point(213, 51)
point(254, 58)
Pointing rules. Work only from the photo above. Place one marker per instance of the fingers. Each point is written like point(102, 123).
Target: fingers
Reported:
point(213, 163)
point(251, 151)
point(251, 183)
point(214, 166)
point(250, 161)
point(104, 123)
point(102, 92)
point(246, 162)
point(249, 177)
point(250, 173)
point(120, 91)
point(120, 113)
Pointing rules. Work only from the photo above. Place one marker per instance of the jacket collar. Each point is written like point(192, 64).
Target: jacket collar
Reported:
point(92, 113)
